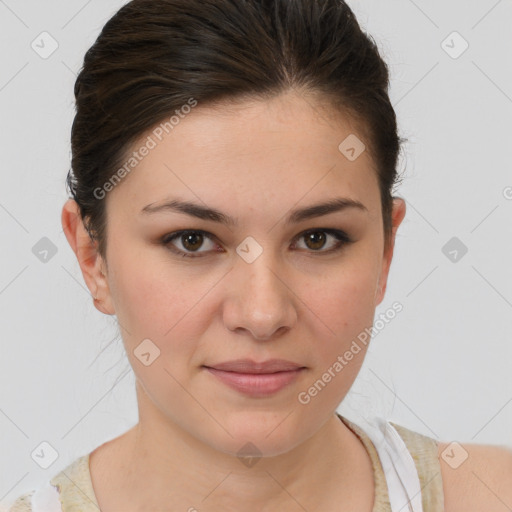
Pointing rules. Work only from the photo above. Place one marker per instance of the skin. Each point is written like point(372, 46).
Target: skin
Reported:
point(482, 482)
point(256, 162)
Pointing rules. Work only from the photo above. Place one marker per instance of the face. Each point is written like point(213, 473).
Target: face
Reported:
point(270, 283)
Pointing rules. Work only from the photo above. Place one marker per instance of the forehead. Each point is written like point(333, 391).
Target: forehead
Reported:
point(242, 156)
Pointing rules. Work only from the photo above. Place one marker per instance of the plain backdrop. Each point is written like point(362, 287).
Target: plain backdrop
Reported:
point(442, 367)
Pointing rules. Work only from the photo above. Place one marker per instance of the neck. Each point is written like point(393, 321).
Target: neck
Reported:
point(165, 468)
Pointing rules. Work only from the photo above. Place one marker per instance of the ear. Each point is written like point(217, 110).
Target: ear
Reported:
point(93, 267)
point(398, 215)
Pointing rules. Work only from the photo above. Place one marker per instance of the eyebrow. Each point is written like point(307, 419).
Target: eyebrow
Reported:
point(298, 215)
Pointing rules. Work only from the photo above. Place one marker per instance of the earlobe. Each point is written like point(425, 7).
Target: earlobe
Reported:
point(89, 259)
point(378, 293)
point(380, 289)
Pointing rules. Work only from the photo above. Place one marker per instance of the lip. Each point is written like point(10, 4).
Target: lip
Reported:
point(256, 379)
point(250, 366)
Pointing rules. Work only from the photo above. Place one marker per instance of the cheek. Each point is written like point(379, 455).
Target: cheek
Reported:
point(343, 308)
point(155, 300)
point(345, 300)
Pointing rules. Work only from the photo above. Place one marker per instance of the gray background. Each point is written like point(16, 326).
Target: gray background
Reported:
point(442, 367)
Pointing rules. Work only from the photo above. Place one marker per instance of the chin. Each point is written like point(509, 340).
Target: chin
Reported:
point(251, 446)
point(264, 432)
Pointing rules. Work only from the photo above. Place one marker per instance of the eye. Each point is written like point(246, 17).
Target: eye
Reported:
point(189, 240)
point(192, 240)
point(315, 239)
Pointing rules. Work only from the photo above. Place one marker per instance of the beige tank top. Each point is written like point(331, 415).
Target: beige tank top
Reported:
point(424, 451)
point(76, 493)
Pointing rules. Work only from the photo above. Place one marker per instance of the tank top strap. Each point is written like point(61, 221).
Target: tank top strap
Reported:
point(409, 465)
point(424, 451)
point(381, 501)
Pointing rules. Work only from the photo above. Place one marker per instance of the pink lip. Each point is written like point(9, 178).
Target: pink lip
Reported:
point(250, 366)
point(256, 379)
point(256, 384)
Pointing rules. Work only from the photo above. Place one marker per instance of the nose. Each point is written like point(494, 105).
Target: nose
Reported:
point(260, 301)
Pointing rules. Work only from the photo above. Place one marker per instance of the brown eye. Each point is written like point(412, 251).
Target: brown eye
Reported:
point(315, 240)
point(190, 242)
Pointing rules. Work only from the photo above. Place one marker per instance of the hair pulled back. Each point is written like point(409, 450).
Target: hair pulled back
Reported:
point(153, 56)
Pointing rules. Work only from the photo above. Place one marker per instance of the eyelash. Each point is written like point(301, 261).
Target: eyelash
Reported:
point(341, 236)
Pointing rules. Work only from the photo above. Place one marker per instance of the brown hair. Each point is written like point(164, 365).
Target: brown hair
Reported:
point(153, 56)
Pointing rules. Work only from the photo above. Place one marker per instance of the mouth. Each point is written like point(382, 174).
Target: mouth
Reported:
point(250, 366)
point(256, 379)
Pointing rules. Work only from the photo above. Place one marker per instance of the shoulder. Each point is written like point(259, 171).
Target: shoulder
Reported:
point(476, 477)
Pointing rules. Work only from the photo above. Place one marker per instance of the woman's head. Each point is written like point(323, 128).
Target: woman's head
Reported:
point(253, 110)
point(152, 57)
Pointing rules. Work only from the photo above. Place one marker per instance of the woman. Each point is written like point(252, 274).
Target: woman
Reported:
point(232, 174)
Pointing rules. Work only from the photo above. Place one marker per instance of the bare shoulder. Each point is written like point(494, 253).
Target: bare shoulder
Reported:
point(476, 477)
